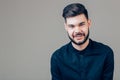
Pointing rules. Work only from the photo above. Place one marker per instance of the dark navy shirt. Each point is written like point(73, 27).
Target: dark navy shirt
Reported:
point(95, 62)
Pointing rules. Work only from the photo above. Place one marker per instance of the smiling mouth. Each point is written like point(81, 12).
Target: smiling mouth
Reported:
point(79, 35)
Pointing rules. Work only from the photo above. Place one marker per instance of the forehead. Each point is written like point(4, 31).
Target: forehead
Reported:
point(76, 19)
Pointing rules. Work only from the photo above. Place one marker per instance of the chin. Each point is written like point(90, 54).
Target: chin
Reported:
point(79, 41)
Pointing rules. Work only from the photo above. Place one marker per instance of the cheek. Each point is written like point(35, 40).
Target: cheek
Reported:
point(85, 30)
point(70, 32)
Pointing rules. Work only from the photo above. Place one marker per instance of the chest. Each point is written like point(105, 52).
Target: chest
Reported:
point(82, 66)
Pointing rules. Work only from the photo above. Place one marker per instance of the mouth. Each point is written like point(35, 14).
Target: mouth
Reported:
point(79, 36)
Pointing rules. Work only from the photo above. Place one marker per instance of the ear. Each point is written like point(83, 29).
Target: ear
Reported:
point(89, 23)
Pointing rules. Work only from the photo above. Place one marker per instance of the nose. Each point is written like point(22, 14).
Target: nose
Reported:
point(77, 29)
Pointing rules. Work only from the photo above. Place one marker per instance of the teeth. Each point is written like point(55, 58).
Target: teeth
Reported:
point(78, 35)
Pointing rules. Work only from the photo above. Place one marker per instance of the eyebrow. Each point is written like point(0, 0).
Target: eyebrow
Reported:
point(81, 23)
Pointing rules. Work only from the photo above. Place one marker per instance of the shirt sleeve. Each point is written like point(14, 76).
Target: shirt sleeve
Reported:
point(55, 73)
point(109, 66)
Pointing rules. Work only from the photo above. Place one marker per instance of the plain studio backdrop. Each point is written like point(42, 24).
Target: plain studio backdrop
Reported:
point(31, 30)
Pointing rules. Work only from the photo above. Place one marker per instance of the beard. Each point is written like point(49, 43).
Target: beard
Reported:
point(81, 42)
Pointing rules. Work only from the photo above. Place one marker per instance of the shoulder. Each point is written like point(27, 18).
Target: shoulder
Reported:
point(61, 50)
point(101, 47)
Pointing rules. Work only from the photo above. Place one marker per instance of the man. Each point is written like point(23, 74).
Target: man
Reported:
point(82, 58)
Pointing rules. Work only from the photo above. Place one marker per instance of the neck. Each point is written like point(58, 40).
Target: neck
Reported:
point(81, 47)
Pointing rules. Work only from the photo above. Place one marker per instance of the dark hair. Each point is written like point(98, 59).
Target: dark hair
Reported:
point(74, 9)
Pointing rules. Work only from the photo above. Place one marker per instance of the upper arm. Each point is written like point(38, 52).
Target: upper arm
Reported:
point(55, 73)
point(108, 66)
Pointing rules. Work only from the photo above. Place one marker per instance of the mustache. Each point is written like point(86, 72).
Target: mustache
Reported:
point(79, 34)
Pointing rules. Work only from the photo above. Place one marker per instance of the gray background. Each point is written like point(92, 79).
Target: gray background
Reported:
point(31, 30)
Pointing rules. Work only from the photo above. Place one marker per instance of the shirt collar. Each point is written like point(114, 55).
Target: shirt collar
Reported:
point(87, 49)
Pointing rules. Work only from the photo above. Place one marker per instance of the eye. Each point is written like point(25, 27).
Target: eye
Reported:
point(82, 24)
point(71, 26)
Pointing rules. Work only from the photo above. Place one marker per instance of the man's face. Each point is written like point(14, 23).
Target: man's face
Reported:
point(78, 29)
